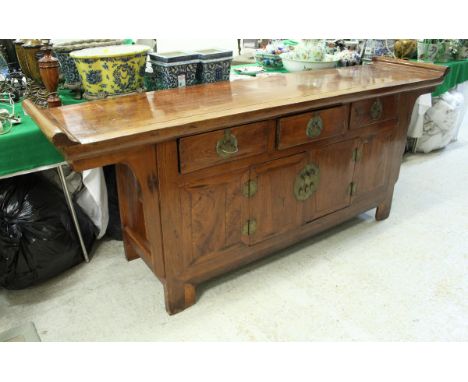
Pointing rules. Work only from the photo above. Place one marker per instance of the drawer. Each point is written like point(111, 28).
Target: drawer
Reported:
point(373, 110)
point(314, 126)
point(208, 149)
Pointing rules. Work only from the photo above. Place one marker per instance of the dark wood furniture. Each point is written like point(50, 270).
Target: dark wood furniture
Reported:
point(212, 177)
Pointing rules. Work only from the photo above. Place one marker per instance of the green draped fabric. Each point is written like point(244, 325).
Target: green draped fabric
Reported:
point(26, 147)
point(457, 74)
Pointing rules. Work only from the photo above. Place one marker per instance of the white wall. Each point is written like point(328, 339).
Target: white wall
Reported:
point(168, 45)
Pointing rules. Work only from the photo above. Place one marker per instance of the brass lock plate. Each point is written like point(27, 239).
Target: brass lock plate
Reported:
point(314, 126)
point(306, 182)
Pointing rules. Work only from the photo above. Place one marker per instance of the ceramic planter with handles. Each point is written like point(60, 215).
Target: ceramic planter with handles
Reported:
point(268, 60)
point(112, 70)
point(427, 52)
point(67, 64)
point(174, 69)
point(214, 65)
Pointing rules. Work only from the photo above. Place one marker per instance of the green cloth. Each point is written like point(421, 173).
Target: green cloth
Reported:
point(457, 74)
point(25, 147)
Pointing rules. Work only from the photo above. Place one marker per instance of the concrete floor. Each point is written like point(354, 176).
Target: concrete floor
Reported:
point(405, 278)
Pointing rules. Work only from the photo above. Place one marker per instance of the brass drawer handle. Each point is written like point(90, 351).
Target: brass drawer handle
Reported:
point(227, 145)
point(314, 126)
point(376, 110)
point(306, 182)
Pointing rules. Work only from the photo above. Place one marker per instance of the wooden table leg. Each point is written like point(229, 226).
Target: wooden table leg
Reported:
point(179, 295)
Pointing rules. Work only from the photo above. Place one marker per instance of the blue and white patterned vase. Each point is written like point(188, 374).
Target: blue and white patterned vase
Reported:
point(112, 70)
point(67, 63)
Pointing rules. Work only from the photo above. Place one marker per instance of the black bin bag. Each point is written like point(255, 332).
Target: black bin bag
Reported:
point(114, 228)
point(38, 239)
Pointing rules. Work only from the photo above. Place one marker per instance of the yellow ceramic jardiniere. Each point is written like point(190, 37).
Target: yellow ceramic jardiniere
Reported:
point(111, 70)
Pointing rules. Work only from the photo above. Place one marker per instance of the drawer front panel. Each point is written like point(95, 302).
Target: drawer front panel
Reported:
point(309, 127)
point(209, 149)
point(374, 110)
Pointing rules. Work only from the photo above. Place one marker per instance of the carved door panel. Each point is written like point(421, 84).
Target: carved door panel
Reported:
point(336, 169)
point(213, 212)
point(373, 165)
point(274, 207)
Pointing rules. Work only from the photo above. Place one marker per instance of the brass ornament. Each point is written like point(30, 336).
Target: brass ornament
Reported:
point(376, 110)
point(306, 182)
point(314, 126)
point(250, 188)
point(249, 228)
point(227, 145)
point(352, 189)
point(357, 154)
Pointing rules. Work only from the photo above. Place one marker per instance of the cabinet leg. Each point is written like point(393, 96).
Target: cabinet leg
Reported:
point(130, 253)
point(383, 209)
point(178, 296)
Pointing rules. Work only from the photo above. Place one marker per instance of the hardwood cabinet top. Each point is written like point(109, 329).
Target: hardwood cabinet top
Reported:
point(162, 115)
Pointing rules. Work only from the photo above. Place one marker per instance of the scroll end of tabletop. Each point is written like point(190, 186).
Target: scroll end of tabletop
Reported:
point(48, 127)
point(415, 64)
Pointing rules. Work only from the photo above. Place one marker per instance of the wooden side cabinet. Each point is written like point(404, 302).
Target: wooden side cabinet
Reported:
point(213, 177)
point(229, 206)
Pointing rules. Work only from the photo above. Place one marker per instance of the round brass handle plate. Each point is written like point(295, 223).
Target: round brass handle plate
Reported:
point(227, 145)
point(314, 126)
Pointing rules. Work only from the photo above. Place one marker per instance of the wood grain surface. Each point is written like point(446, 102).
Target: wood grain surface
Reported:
point(152, 117)
point(192, 214)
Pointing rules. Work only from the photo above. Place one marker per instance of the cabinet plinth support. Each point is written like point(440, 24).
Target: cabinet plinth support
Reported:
point(383, 209)
point(178, 296)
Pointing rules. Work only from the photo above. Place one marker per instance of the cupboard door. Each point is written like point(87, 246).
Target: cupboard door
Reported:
point(213, 212)
point(274, 208)
point(336, 165)
point(373, 166)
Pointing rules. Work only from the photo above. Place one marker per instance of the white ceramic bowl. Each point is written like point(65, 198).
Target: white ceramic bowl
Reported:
point(299, 66)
